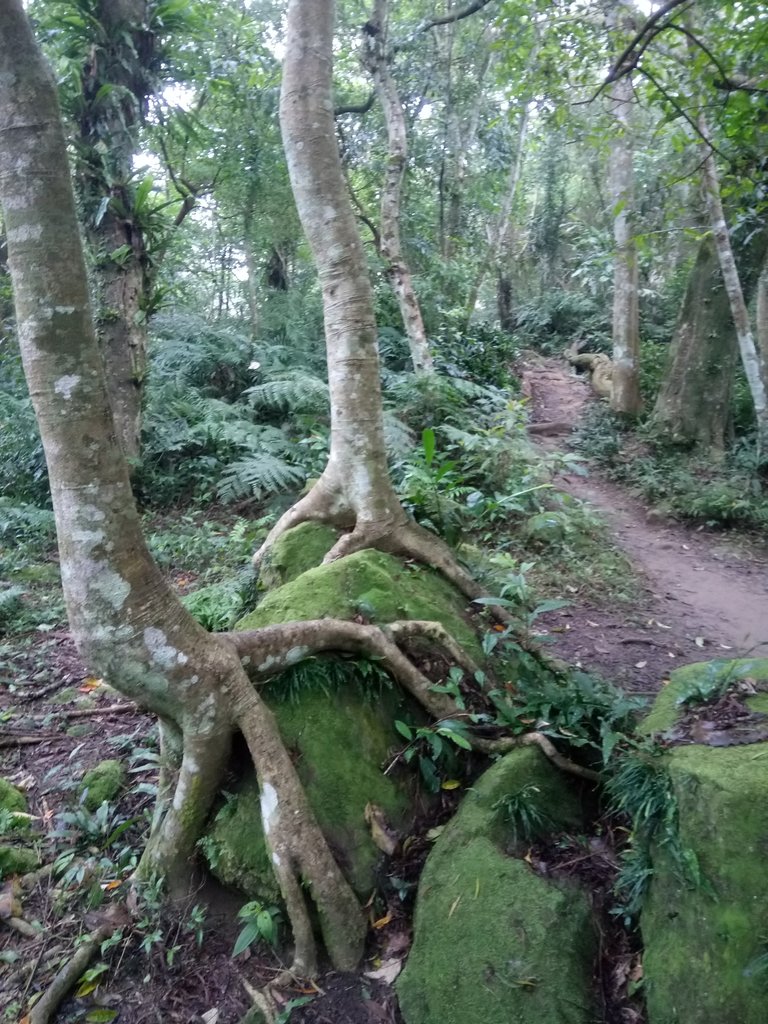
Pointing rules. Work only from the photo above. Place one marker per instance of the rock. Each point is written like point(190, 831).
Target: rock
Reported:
point(301, 548)
point(103, 782)
point(17, 860)
point(340, 743)
point(546, 527)
point(339, 723)
point(703, 942)
point(495, 943)
point(371, 584)
point(11, 798)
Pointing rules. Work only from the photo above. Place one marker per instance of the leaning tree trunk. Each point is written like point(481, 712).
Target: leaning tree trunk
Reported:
point(693, 404)
point(750, 359)
point(625, 390)
point(376, 59)
point(127, 623)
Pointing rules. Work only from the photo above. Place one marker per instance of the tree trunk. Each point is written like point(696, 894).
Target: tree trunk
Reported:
point(625, 390)
point(120, 63)
point(376, 59)
point(750, 359)
point(693, 404)
point(504, 304)
point(128, 625)
point(499, 232)
point(761, 325)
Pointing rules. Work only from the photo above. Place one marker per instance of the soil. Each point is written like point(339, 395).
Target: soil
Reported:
point(701, 596)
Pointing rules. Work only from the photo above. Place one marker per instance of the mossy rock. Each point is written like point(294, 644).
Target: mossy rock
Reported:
point(17, 860)
point(704, 676)
point(11, 798)
point(493, 941)
point(370, 583)
point(102, 782)
point(546, 527)
point(340, 743)
point(702, 943)
point(302, 548)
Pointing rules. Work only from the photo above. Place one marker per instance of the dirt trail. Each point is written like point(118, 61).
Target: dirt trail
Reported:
point(709, 592)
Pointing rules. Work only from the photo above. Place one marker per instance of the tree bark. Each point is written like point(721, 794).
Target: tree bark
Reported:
point(693, 404)
point(377, 59)
point(625, 391)
point(750, 359)
point(127, 623)
point(119, 62)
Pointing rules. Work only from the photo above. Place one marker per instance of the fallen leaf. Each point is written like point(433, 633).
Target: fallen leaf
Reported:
point(435, 833)
point(387, 973)
point(383, 921)
point(450, 784)
point(699, 641)
point(210, 1016)
point(455, 904)
point(91, 683)
point(640, 664)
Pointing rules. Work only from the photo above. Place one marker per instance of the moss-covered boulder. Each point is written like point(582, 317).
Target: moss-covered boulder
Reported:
point(341, 741)
point(371, 584)
point(302, 548)
point(494, 942)
point(11, 798)
point(17, 860)
point(102, 782)
point(704, 943)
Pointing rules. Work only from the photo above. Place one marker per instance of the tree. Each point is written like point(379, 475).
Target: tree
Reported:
point(377, 57)
point(126, 621)
point(625, 390)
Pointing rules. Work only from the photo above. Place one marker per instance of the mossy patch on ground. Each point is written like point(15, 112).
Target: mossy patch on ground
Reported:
point(494, 942)
point(11, 798)
point(103, 782)
point(17, 860)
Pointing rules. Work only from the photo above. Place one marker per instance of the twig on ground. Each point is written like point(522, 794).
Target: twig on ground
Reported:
point(44, 1009)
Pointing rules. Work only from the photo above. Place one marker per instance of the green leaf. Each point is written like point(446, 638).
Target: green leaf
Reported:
point(404, 730)
point(249, 934)
point(428, 444)
point(101, 1016)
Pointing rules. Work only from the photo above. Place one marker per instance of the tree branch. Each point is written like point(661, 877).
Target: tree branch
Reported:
point(355, 108)
point(623, 65)
point(449, 19)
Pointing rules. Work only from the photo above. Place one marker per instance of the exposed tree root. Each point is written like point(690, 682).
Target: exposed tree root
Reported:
point(67, 977)
point(395, 534)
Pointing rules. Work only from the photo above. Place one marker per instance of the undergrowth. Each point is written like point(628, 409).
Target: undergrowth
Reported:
point(693, 488)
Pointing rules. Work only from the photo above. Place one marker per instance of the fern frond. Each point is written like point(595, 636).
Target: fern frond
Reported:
point(296, 391)
point(258, 476)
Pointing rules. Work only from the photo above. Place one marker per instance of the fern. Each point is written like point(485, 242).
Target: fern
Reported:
point(257, 476)
point(297, 391)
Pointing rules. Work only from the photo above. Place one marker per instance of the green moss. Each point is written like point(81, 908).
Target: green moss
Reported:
point(700, 942)
point(494, 942)
point(703, 676)
point(546, 527)
point(11, 798)
point(234, 846)
point(17, 860)
point(339, 745)
point(103, 782)
point(295, 552)
point(370, 583)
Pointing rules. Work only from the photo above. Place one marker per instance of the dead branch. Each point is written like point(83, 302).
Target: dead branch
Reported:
point(66, 978)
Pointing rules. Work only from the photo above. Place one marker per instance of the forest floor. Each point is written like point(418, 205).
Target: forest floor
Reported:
point(701, 595)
